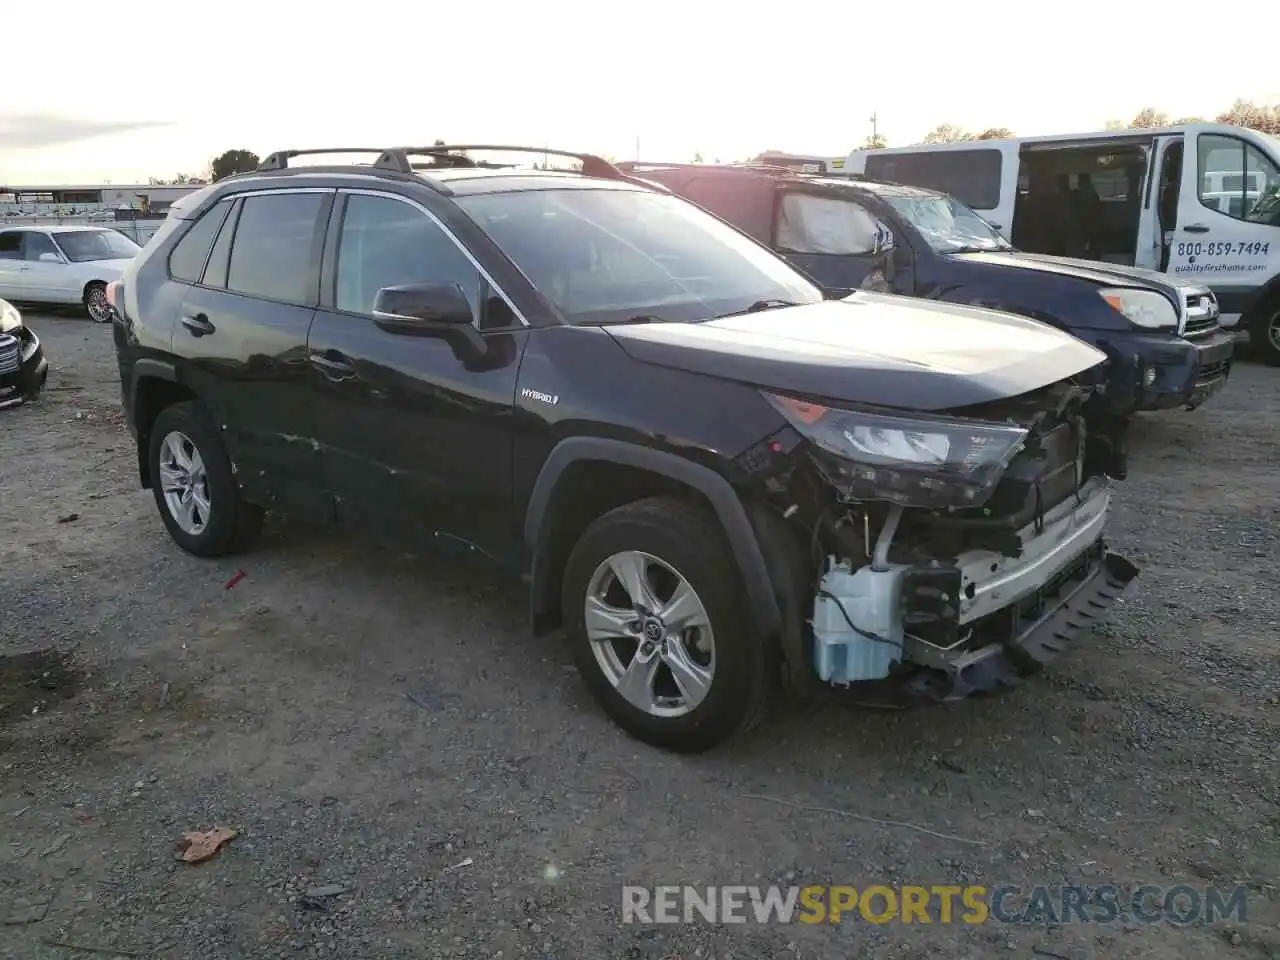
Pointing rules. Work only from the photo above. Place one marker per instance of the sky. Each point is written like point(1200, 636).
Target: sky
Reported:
point(142, 88)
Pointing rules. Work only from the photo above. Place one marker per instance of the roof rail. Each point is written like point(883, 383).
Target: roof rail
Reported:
point(280, 159)
point(631, 166)
point(592, 165)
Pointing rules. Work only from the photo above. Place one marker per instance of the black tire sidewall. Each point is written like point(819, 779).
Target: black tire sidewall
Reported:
point(219, 533)
point(704, 560)
point(1260, 335)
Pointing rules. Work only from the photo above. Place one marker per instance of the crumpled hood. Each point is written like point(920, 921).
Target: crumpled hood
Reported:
point(870, 348)
point(1103, 274)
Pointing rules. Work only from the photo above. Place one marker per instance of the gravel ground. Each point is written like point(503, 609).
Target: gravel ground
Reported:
point(412, 776)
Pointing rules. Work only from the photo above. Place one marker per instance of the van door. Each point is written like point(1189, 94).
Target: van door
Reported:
point(1160, 196)
point(1231, 247)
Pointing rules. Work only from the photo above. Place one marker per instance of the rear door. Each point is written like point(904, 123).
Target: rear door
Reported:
point(12, 274)
point(243, 331)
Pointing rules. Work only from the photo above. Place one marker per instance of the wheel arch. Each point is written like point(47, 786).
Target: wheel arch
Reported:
point(153, 385)
point(586, 476)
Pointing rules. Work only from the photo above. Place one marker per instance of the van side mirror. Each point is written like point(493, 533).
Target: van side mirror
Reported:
point(49, 258)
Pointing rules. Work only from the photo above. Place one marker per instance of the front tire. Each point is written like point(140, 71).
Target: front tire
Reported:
point(96, 307)
point(660, 629)
point(194, 487)
point(1264, 333)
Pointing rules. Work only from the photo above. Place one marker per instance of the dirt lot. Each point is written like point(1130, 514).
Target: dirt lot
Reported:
point(382, 726)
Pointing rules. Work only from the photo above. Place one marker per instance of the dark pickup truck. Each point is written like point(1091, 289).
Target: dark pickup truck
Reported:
point(1160, 334)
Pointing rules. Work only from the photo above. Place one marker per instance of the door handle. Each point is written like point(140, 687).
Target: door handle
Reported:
point(335, 370)
point(1196, 228)
point(23, 269)
point(198, 325)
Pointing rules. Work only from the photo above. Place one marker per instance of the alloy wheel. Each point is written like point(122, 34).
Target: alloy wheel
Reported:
point(650, 634)
point(96, 305)
point(184, 482)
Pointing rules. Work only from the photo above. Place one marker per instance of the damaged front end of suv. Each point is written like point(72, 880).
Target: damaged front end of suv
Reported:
point(931, 555)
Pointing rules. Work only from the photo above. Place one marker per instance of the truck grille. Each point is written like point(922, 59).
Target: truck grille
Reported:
point(10, 354)
point(1202, 314)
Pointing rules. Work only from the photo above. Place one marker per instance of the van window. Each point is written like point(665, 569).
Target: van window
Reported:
point(744, 201)
point(1247, 181)
point(971, 176)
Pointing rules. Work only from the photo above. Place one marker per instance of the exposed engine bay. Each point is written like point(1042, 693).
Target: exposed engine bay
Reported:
point(945, 555)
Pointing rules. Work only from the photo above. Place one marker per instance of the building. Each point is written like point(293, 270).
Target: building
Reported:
point(79, 200)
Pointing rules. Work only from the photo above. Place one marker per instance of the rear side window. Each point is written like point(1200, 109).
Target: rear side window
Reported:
point(187, 261)
point(812, 224)
point(746, 202)
point(10, 246)
point(271, 256)
point(971, 176)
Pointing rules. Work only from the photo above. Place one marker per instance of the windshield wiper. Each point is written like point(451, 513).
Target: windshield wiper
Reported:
point(759, 306)
point(639, 318)
point(975, 248)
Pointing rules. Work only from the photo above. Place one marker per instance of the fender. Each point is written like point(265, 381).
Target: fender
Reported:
point(722, 497)
point(146, 367)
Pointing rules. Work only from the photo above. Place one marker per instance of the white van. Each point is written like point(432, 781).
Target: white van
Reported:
point(1201, 201)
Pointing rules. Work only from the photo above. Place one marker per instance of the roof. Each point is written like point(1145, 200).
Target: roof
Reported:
point(880, 188)
point(7, 226)
point(464, 181)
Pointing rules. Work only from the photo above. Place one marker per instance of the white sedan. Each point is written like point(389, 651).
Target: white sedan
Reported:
point(63, 265)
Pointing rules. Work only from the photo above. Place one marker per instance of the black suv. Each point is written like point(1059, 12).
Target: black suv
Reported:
point(1160, 332)
point(717, 481)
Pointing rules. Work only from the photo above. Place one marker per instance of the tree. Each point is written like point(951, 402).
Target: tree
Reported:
point(697, 156)
point(875, 141)
point(995, 133)
point(1149, 118)
point(945, 133)
point(233, 162)
point(1243, 113)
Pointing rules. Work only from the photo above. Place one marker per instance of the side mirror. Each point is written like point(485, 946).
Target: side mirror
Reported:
point(422, 309)
point(49, 258)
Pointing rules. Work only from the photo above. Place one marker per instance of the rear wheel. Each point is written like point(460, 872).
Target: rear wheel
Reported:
point(659, 626)
point(194, 487)
point(95, 302)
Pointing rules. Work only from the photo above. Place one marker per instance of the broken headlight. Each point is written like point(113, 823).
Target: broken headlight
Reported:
point(916, 460)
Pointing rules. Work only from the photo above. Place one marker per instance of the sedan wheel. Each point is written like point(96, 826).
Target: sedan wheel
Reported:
point(95, 304)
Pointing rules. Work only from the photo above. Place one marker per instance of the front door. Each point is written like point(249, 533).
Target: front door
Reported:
point(48, 278)
point(1221, 240)
point(243, 331)
point(12, 268)
point(415, 434)
point(838, 243)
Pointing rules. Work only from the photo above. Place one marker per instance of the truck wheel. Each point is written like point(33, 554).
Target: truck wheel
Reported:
point(1264, 333)
point(194, 487)
point(659, 626)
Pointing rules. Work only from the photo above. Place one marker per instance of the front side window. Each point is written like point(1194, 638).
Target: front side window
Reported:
point(37, 244)
point(813, 224)
point(387, 243)
point(946, 224)
point(85, 246)
point(271, 256)
point(11, 246)
point(606, 255)
point(1238, 179)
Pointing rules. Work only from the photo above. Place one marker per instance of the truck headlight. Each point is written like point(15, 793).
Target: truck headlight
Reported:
point(1145, 308)
point(10, 318)
point(916, 460)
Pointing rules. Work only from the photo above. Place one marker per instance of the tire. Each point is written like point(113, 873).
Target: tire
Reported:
point(1264, 333)
point(229, 523)
point(676, 540)
point(95, 302)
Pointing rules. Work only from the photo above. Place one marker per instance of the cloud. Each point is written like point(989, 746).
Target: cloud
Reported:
point(28, 131)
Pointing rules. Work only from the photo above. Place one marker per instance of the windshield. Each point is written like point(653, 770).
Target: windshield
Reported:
point(947, 224)
point(603, 256)
point(81, 246)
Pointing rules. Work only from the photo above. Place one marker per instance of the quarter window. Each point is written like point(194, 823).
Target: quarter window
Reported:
point(272, 253)
point(971, 176)
point(1238, 179)
point(187, 261)
point(387, 243)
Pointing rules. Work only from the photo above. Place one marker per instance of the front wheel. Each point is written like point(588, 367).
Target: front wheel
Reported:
point(95, 302)
point(194, 487)
point(1265, 333)
point(658, 620)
